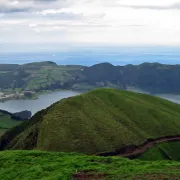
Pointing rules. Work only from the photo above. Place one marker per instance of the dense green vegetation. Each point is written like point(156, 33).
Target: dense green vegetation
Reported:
point(102, 120)
point(28, 165)
point(163, 151)
point(152, 77)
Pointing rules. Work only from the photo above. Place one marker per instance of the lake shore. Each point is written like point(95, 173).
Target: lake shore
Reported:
point(42, 101)
point(6, 96)
point(30, 95)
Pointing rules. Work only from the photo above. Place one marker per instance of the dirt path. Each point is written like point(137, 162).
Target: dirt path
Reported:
point(135, 151)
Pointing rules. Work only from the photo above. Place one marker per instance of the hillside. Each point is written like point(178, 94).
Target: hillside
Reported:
point(37, 77)
point(26, 165)
point(8, 120)
point(103, 120)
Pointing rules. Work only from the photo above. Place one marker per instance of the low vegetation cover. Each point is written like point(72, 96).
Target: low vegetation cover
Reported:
point(103, 120)
point(28, 165)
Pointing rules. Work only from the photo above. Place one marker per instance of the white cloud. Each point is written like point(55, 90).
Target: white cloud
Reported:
point(93, 21)
point(147, 2)
point(32, 25)
point(36, 30)
point(49, 11)
point(14, 3)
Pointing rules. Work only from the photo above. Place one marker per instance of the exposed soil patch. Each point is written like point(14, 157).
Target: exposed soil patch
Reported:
point(156, 176)
point(135, 151)
point(89, 176)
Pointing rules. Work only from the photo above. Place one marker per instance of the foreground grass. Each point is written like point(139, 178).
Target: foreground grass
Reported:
point(28, 165)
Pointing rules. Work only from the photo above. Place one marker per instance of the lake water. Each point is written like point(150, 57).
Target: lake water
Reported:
point(34, 106)
point(171, 97)
point(46, 100)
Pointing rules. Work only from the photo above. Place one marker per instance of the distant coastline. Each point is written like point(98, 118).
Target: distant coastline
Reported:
point(33, 95)
point(6, 96)
point(28, 81)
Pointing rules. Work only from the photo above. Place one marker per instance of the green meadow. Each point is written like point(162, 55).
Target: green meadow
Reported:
point(28, 165)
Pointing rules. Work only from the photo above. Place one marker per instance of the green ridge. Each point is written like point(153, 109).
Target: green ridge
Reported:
point(37, 77)
point(102, 120)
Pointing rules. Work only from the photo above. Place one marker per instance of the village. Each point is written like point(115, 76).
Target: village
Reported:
point(5, 96)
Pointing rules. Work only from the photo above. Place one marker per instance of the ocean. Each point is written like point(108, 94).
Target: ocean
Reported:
point(91, 56)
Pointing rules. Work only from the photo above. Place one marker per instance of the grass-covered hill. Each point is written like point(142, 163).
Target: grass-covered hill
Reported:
point(36, 76)
point(28, 165)
point(151, 77)
point(103, 120)
point(7, 121)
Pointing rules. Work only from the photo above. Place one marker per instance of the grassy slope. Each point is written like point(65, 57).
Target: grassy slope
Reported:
point(27, 165)
point(112, 118)
point(99, 121)
point(163, 151)
point(6, 122)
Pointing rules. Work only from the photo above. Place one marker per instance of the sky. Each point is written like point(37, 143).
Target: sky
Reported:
point(105, 22)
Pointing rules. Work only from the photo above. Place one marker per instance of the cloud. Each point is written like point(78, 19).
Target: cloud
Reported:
point(32, 25)
point(13, 10)
point(9, 6)
point(90, 21)
point(154, 7)
point(14, 3)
